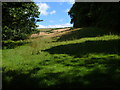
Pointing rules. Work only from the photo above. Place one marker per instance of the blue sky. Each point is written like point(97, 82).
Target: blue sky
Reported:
point(54, 14)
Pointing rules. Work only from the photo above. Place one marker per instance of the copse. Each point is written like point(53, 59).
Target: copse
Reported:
point(98, 14)
point(19, 20)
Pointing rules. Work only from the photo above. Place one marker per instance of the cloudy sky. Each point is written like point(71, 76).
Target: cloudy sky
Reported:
point(54, 14)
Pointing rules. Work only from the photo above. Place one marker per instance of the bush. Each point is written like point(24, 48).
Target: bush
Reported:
point(9, 44)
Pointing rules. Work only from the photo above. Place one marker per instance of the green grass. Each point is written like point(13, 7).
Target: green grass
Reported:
point(86, 61)
point(85, 32)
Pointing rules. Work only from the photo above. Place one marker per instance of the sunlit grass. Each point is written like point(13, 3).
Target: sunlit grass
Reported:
point(34, 65)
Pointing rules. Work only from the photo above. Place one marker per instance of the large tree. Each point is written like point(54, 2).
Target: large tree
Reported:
point(18, 19)
point(98, 14)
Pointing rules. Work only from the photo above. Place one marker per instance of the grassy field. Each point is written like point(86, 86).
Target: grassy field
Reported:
point(82, 58)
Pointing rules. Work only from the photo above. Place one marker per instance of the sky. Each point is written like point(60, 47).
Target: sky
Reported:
point(54, 14)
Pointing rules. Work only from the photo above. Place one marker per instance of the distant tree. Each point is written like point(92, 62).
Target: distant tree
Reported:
point(18, 20)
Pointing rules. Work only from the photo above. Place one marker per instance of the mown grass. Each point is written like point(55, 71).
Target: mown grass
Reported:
point(84, 62)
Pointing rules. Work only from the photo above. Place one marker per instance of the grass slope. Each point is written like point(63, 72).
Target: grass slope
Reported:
point(71, 61)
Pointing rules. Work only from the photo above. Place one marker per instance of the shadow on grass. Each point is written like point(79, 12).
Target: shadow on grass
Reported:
point(93, 73)
point(96, 78)
point(17, 79)
point(80, 49)
point(83, 77)
point(84, 32)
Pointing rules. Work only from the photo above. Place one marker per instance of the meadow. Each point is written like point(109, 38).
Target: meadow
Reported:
point(81, 58)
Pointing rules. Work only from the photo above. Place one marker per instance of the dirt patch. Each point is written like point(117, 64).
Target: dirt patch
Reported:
point(53, 34)
point(61, 30)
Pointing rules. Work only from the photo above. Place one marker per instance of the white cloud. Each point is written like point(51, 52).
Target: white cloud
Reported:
point(43, 7)
point(41, 26)
point(53, 12)
point(56, 26)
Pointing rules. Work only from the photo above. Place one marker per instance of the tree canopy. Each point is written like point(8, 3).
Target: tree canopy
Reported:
point(18, 20)
point(98, 14)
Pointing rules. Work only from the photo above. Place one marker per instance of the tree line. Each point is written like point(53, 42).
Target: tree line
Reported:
point(98, 14)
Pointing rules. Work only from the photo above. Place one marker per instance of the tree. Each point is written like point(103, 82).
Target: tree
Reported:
point(79, 14)
point(105, 15)
point(18, 20)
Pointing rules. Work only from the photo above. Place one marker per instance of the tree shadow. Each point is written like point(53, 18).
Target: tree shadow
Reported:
point(19, 80)
point(104, 74)
point(107, 76)
point(93, 73)
point(91, 77)
point(84, 32)
point(80, 49)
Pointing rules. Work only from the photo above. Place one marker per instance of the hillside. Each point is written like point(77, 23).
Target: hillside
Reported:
point(72, 58)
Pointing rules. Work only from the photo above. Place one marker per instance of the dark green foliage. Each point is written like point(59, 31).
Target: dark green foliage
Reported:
point(10, 44)
point(105, 15)
point(18, 20)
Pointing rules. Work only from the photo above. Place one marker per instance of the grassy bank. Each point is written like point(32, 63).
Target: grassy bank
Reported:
point(87, 57)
